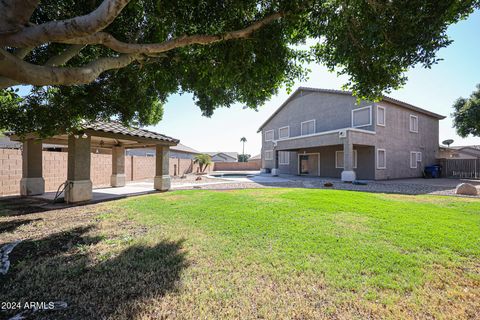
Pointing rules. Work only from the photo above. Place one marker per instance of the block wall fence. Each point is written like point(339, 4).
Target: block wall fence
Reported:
point(55, 169)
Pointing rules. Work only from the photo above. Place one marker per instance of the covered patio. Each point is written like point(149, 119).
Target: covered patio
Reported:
point(107, 135)
point(348, 154)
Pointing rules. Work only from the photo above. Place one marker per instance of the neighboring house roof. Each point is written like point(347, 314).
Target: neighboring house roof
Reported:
point(385, 98)
point(233, 155)
point(257, 157)
point(118, 128)
point(178, 148)
point(475, 147)
point(468, 150)
point(183, 148)
point(6, 143)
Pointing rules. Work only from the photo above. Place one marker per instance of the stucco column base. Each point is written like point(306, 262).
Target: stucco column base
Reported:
point(117, 180)
point(32, 186)
point(78, 191)
point(348, 176)
point(274, 172)
point(162, 183)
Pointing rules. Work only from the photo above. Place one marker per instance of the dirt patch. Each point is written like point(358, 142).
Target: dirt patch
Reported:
point(173, 197)
point(349, 222)
point(426, 198)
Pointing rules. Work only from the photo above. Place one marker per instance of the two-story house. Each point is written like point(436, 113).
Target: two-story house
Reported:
point(326, 133)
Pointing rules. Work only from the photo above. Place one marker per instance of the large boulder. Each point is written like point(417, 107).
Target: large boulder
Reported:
point(466, 189)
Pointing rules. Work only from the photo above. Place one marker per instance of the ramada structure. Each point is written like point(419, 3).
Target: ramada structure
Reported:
point(92, 135)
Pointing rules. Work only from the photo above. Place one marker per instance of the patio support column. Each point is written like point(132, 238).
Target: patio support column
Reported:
point(79, 185)
point(118, 167)
point(32, 182)
point(275, 163)
point(162, 177)
point(348, 174)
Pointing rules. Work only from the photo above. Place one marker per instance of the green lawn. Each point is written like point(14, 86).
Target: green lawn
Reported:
point(378, 248)
point(289, 253)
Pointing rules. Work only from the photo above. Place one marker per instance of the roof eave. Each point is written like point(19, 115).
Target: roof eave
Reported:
point(385, 98)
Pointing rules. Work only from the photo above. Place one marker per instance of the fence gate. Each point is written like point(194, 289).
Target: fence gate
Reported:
point(461, 168)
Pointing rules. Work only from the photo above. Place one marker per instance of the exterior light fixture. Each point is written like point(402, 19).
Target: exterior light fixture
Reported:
point(84, 136)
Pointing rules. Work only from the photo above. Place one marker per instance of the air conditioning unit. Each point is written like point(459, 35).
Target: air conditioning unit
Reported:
point(342, 134)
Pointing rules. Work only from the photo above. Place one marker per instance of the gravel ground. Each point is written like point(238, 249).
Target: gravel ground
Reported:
point(191, 178)
point(411, 186)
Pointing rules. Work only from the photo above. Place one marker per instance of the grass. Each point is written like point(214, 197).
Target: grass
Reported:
point(266, 253)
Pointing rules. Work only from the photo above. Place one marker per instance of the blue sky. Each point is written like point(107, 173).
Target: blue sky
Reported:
point(433, 89)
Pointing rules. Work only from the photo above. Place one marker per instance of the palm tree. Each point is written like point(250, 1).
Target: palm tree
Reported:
point(203, 160)
point(243, 140)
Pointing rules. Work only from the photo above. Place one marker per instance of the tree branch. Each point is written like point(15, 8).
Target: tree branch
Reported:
point(111, 42)
point(65, 56)
point(58, 31)
point(15, 14)
point(14, 71)
point(26, 73)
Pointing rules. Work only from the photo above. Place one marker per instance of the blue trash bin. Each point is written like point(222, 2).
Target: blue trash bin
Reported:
point(433, 171)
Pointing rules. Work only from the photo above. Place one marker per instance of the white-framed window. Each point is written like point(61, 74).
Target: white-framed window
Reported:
point(339, 159)
point(381, 159)
point(413, 123)
point(268, 154)
point(381, 120)
point(307, 127)
point(269, 135)
point(362, 117)
point(415, 158)
point(283, 157)
point(284, 132)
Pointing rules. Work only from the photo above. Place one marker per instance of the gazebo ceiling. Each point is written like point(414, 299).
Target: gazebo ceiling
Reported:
point(109, 134)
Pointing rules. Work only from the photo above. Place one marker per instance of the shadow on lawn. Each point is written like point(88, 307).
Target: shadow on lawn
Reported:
point(62, 267)
point(17, 206)
point(9, 226)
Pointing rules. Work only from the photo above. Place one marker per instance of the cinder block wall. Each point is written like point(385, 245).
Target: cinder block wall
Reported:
point(237, 166)
point(100, 169)
point(55, 169)
point(143, 167)
point(10, 171)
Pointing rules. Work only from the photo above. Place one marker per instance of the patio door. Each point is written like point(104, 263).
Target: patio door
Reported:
point(309, 164)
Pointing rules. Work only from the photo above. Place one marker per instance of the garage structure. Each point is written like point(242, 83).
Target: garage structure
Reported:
point(110, 135)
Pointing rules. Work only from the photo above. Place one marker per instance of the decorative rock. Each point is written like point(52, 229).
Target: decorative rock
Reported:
point(466, 189)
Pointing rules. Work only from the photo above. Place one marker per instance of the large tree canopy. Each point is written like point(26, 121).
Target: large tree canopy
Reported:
point(466, 117)
point(122, 59)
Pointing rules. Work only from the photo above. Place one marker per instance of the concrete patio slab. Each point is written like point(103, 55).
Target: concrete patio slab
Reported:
point(110, 193)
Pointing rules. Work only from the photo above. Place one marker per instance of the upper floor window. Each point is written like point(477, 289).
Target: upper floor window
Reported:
point(268, 154)
point(269, 135)
point(381, 116)
point(284, 132)
point(283, 157)
point(339, 159)
point(413, 123)
point(362, 117)
point(308, 127)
